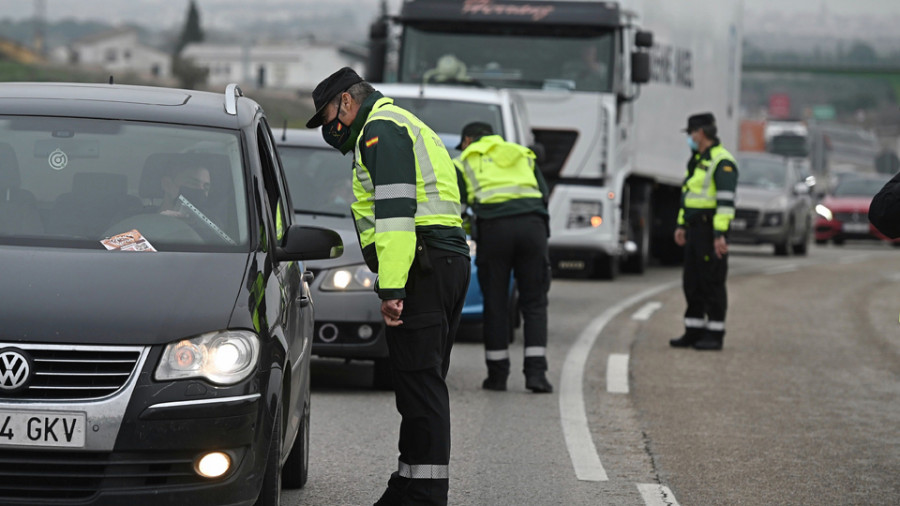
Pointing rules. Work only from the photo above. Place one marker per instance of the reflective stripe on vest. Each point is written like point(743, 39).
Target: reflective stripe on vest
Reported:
point(706, 197)
point(483, 196)
point(429, 204)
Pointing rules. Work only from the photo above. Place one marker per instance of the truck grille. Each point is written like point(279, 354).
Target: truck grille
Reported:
point(54, 477)
point(557, 146)
point(75, 372)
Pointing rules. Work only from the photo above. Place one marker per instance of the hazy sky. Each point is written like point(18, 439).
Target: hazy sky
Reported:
point(213, 12)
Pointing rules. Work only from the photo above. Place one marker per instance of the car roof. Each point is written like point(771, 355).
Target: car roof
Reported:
point(125, 102)
point(443, 92)
point(301, 137)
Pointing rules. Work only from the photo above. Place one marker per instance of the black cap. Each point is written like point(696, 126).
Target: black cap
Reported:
point(475, 129)
point(700, 120)
point(325, 91)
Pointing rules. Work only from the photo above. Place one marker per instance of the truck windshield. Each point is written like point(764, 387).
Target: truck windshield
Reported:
point(789, 145)
point(509, 59)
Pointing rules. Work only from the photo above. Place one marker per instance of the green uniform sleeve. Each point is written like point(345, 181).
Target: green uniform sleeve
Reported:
point(542, 184)
point(725, 176)
point(461, 182)
point(387, 151)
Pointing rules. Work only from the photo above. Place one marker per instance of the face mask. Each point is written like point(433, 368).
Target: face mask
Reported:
point(692, 144)
point(195, 196)
point(336, 133)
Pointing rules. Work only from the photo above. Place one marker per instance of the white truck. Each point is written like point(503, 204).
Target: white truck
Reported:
point(614, 153)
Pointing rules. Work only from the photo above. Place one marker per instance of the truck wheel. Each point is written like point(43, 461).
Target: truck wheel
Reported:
point(641, 219)
point(381, 374)
point(296, 469)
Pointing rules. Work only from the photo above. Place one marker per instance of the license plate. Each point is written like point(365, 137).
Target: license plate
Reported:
point(738, 224)
point(856, 228)
point(42, 428)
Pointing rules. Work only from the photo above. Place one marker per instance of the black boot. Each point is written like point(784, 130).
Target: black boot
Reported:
point(711, 341)
point(538, 384)
point(498, 371)
point(495, 382)
point(690, 337)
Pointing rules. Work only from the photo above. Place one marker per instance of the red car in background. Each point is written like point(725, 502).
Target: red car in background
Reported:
point(843, 214)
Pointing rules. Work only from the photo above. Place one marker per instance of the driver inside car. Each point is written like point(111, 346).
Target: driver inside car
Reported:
point(193, 183)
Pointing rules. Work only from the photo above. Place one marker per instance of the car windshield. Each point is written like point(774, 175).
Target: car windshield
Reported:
point(510, 58)
point(448, 117)
point(319, 180)
point(762, 173)
point(69, 182)
point(858, 187)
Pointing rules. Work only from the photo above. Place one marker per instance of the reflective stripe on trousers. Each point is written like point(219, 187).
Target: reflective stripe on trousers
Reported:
point(423, 471)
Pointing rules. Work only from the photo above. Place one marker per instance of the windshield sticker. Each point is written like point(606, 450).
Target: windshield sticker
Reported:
point(58, 160)
point(128, 241)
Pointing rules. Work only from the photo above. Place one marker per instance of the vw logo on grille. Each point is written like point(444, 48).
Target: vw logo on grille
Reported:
point(15, 370)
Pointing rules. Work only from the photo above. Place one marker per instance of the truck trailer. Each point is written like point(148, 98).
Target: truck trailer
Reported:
point(608, 87)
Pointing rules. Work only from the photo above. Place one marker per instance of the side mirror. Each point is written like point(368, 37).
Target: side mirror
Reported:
point(309, 243)
point(643, 39)
point(640, 68)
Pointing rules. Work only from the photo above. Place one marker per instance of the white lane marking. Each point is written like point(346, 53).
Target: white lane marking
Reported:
point(862, 257)
point(572, 413)
point(656, 495)
point(617, 373)
point(645, 312)
point(781, 269)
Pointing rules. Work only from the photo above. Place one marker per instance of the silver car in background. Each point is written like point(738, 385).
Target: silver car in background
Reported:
point(773, 204)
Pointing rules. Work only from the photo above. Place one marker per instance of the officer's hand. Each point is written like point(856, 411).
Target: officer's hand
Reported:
point(390, 311)
point(720, 246)
point(679, 236)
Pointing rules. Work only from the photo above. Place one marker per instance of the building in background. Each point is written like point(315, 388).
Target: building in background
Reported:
point(118, 52)
point(297, 65)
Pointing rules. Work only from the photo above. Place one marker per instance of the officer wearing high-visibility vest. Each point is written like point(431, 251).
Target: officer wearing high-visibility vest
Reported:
point(508, 195)
point(707, 208)
point(407, 214)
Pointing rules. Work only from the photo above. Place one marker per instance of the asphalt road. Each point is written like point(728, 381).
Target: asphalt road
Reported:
point(801, 407)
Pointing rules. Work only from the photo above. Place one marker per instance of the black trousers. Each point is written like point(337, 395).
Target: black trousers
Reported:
point(517, 245)
point(704, 280)
point(420, 358)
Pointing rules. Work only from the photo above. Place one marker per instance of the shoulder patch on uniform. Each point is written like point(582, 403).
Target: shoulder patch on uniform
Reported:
point(727, 168)
point(371, 142)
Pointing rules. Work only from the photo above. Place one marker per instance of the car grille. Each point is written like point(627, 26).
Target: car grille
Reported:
point(54, 477)
point(750, 216)
point(75, 372)
point(852, 217)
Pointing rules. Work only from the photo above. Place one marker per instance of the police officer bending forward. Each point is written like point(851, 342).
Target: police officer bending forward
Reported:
point(509, 197)
point(407, 214)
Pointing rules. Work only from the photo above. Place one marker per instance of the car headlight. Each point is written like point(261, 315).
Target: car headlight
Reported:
point(225, 357)
point(585, 213)
point(349, 278)
point(773, 219)
point(824, 212)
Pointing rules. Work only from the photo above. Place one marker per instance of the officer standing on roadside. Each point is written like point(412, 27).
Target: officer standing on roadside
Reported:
point(707, 208)
point(508, 195)
point(407, 214)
